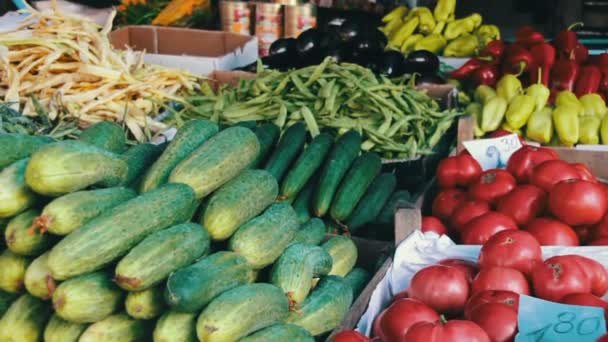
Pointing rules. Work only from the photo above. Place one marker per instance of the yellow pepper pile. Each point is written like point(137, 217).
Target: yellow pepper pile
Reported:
point(437, 31)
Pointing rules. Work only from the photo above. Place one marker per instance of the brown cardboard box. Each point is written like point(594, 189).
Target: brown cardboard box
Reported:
point(198, 51)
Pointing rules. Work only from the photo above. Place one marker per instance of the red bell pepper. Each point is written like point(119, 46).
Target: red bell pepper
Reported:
point(566, 40)
point(563, 76)
point(544, 58)
point(588, 80)
point(486, 74)
point(466, 69)
point(517, 60)
point(604, 80)
point(529, 36)
point(493, 52)
point(601, 60)
point(581, 53)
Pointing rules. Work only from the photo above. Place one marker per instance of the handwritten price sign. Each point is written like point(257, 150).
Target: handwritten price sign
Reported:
point(495, 152)
point(543, 321)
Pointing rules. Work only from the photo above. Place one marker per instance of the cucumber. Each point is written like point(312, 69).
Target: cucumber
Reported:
point(325, 308)
point(65, 214)
point(307, 164)
point(238, 201)
point(344, 152)
point(280, 333)
point(343, 252)
point(262, 240)
point(187, 139)
point(107, 135)
point(111, 235)
point(15, 146)
point(25, 319)
point(357, 181)
point(59, 330)
point(247, 124)
point(302, 202)
point(176, 326)
point(191, 288)
point(240, 311)
point(146, 304)
point(387, 214)
point(38, 280)
point(6, 299)
point(287, 150)
point(117, 328)
point(139, 158)
point(312, 232)
point(296, 268)
point(372, 201)
point(13, 268)
point(67, 166)
point(217, 161)
point(357, 279)
point(87, 298)
point(268, 135)
point(161, 253)
point(20, 240)
point(15, 196)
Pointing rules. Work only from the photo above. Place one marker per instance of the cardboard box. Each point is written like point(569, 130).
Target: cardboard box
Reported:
point(198, 51)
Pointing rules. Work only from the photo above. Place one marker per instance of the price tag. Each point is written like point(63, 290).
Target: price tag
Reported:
point(495, 152)
point(543, 321)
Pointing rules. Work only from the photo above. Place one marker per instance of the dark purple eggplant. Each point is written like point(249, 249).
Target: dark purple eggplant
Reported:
point(350, 30)
point(268, 62)
point(336, 52)
point(380, 37)
point(421, 61)
point(391, 64)
point(283, 46)
point(366, 44)
point(309, 41)
point(428, 78)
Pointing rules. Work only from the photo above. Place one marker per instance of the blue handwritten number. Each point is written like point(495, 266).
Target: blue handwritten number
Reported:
point(509, 142)
point(540, 333)
point(595, 320)
point(565, 323)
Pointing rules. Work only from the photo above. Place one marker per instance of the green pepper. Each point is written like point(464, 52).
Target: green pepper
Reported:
point(439, 27)
point(462, 26)
point(540, 126)
point(590, 129)
point(433, 43)
point(493, 113)
point(505, 126)
point(463, 46)
point(519, 110)
point(444, 9)
point(540, 93)
point(593, 105)
point(509, 86)
point(398, 36)
point(489, 31)
point(463, 98)
point(427, 21)
point(483, 93)
point(566, 122)
point(410, 42)
point(604, 130)
point(567, 97)
point(474, 109)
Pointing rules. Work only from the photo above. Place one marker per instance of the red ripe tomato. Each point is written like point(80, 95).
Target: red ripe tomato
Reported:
point(586, 299)
point(550, 232)
point(467, 211)
point(599, 242)
point(584, 172)
point(578, 202)
point(401, 295)
point(450, 331)
point(559, 276)
point(596, 273)
point(443, 288)
point(482, 228)
point(601, 230)
point(446, 201)
point(468, 267)
point(458, 170)
point(583, 233)
point(433, 224)
point(350, 336)
point(401, 315)
point(511, 248)
point(500, 278)
point(376, 331)
point(522, 162)
point(604, 338)
point(509, 298)
point(550, 172)
point(492, 185)
point(498, 320)
point(523, 204)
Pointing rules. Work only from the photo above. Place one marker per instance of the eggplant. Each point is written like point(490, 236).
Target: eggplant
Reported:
point(268, 62)
point(392, 64)
point(421, 61)
point(337, 53)
point(308, 46)
point(283, 46)
point(329, 40)
point(367, 44)
point(380, 37)
point(428, 78)
point(349, 30)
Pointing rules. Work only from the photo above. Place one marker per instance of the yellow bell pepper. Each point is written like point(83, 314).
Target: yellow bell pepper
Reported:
point(540, 93)
point(427, 22)
point(399, 35)
point(566, 97)
point(390, 28)
point(493, 113)
point(566, 122)
point(463, 46)
point(398, 12)
point(519, 110)
point(593, 105)
point(439, 27)
point(507, 127)
point(508, 86)
point(474, 109)
point(444, 9)
point(604, 130)
point(433, 43)
point(589, 130)
point(462, 26)
point(483, 93)
point(410, 42)
point(540, 126)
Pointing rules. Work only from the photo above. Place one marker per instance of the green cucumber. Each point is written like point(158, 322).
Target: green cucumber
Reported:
point(287, 150)
point(262, 240)
point(65, 214)
point(146, 304)
point(247, 124)
point(161, 253)
point(15, 196)
point(268, 135)
point(387, 214)
point(187, 139)
point(38, 279)
point(238, 201)
point(13, 268)
point(6, 299)
point(358, 179)
point(21, 240)
point(15, 146)
point(60, 330)
point(25, 319)
point(217, 161)
point(175, 326)
point(372, 201)
point(111, 235)
point(118, 328)
point(87, 298)
point(357, 279)
point(312, 232)
point(191, 288)
point(107, 135)
point(307, 164)
point(302, 202)
point(325, 307)
point(344, 152)
point(281, 332)
point(344, 254)
point(67, 166)
point(139, 158)
point(240, 311)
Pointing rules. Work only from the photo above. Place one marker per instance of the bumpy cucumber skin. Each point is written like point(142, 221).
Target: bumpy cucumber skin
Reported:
point(13, 268)
point(15, 146)
point(372, 201)
point(20, 241)
point(59, 330)
point(15, 196)
point(312, 232)
point(387, 214)
point(38, 280)
point(139, 158)
point(344, 254)
point(175, 326)
point(117, 328)
point(268, 135)
point(281, 332)
point(357, 279)
point(107, 135)
point(345, 151)
point(187, 139)
point(24, 320)
point(146, 304)
point(287, 150)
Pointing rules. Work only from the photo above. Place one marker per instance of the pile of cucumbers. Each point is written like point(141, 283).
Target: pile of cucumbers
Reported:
point(219, 235)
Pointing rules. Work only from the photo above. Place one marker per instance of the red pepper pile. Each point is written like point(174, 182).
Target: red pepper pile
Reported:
point(563, 64)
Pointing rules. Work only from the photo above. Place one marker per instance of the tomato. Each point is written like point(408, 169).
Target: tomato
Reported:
point(467, 211)
point(550, 232)
point(498, 320)
point(584, 172)
point(550, 172)
point(350, 336)
point(523, 204)
point(596, 273)
point(522, 162)
point(492, 185)
point(401, 315)
point(601, 230)
point(509, 298)
point(450, 331)
point(468, 267)
point(559, 276)
point(433, 224)
point(578, 202)
point(500, 278)
point(583, 233)
point(443, 288)
point(511, 248)
point(400, 295)
point(460, 170)
point(376, 331)
point(604, 338)
point(446, 201)
point(481, 228)
point(586, 299)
